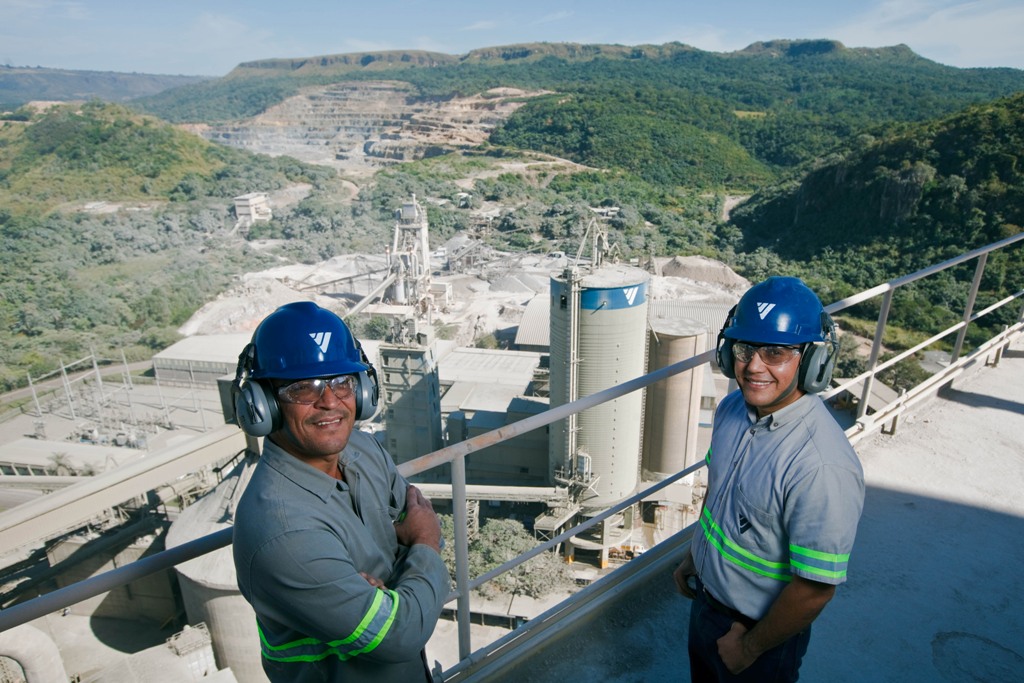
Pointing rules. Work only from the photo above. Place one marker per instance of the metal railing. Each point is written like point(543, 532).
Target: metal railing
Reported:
point(455, 454)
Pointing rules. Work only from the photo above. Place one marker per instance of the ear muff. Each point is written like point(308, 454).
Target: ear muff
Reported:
point(818, 359)
point(723, 355)
point(256, 409)
point(723, 350)
point(367, 388)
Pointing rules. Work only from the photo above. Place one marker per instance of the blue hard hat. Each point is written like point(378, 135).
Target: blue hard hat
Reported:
point(780, 310)
point(301, 340)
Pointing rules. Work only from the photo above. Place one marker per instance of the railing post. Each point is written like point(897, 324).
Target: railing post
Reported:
point(969, 308)
point(876, 347)
point(460, 521)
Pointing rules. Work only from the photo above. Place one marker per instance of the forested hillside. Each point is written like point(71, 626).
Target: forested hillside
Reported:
point(864, 165)
point(20, 85)
point(74, 277)
point(897, 201)
point(670, 113)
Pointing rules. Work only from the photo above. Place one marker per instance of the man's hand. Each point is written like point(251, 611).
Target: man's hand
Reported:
point(420, 524)
point(372, 580)
point(683, 572)
point(797, 606)
point(734, 649)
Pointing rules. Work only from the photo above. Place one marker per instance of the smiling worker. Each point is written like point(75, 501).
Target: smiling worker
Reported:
point(784, 497)
point(338, 555)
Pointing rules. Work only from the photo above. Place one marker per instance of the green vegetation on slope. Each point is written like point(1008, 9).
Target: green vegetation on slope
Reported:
point(896, 203)
point(72, 280)
point(671, 113)
point(20, 85)
point(888, 200)
point(103, 151)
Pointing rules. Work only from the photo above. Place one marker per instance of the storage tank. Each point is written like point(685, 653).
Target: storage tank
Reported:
point(209, 587)
point(673, 404)
point(598, 339)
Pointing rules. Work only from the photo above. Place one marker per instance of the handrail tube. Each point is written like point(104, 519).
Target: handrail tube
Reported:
point(865, 426)
point(894, 360)
point(583, 526)
point(461, 530)
point(876, 348)
point(917, 275)
point(121, 576)
point(999, 304)
point(914, 349)
point(527, 424)
point(979, 270)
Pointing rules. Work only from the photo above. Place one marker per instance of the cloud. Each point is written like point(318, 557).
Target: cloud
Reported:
point(554, 18)
point(44, 10)
point(961, 32)
point(481, 26)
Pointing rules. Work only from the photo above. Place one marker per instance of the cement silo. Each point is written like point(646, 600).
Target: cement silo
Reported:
point(209, 587)
point(598, 339)
point(673, 404)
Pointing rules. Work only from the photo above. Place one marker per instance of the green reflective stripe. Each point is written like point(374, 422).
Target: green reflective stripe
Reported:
point(819, 555)
point(707, 456)
point(717, 538)
point(825, 565)
point(824, 573)
point(382, 630)
point(366, 637)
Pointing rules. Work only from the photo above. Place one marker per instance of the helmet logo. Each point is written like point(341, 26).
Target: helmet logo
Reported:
point(764, 309)
point(322, 339)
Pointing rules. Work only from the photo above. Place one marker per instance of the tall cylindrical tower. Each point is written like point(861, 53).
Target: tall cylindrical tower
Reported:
point(598, 339)
point(209, 586)
point(673, 404)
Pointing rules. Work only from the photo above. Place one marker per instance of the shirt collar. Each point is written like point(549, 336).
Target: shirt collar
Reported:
point(299, 473)
point(785, 415)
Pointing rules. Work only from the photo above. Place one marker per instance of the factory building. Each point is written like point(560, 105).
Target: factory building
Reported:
point(411, 392)
point(595, 328)
point(200, 359)
point(252, 208)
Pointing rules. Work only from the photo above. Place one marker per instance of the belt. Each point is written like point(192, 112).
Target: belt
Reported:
point(722, 608)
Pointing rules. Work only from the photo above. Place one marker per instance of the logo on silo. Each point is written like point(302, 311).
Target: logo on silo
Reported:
point(630, 293)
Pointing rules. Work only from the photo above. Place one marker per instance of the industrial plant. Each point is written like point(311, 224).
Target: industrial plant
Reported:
point(97, 472)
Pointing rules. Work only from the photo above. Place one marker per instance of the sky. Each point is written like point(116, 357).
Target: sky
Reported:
point(211, 37)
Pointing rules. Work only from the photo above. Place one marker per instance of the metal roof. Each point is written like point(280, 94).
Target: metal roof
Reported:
point(212, 348)
point(488, 366)
point(535, 325)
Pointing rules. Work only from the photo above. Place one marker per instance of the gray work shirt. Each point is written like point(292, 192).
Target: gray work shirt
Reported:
point(785, 495)
point(301, 539)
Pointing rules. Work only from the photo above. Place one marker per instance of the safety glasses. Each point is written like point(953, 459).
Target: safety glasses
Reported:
point(309, 391)
point(770, 354)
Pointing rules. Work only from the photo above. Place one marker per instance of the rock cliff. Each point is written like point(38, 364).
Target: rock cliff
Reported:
point(358, 127)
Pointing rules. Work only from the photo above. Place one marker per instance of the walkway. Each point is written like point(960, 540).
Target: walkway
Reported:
point(934, 591)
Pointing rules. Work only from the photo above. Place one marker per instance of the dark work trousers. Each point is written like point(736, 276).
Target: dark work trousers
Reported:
point(708, 623)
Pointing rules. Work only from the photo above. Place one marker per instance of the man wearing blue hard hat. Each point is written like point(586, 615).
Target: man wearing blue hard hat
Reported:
point(336, 552)
point(784, 497)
